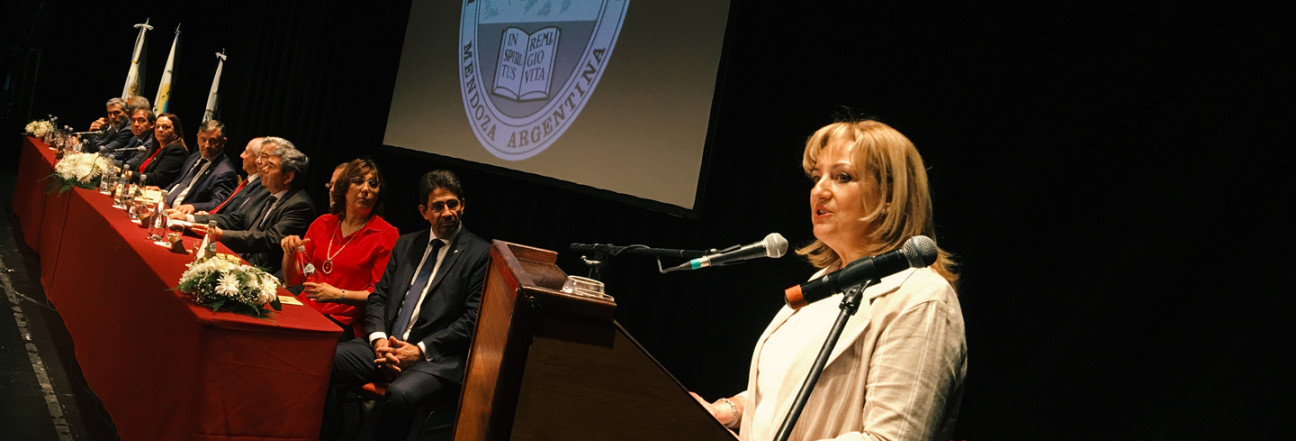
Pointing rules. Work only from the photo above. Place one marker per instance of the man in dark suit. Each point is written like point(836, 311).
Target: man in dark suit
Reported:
point(209, 176)
point(421, 315)
point(247, 190)
point(141, 125)
point(283, 209)
point(114, 126)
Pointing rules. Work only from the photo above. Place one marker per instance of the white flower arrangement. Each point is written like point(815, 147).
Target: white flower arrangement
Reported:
point(221, 283)
point(80, 170)
point(39, 128)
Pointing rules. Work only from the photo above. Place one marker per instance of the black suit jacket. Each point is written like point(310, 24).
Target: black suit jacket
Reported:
point(448, 314)
point(113, 138)
point(260, 247)
point(213, 185)
point(165, 166)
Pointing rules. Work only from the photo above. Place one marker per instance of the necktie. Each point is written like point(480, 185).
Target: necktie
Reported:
point(265, 213)
point(194, 172)
point(231, 197)
point(415, 290)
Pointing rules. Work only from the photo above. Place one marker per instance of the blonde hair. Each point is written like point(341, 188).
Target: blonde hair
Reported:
point(903, 208)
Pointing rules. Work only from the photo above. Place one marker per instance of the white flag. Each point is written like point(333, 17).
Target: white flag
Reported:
point(135, 82)
point(163, 99)
point(210, 112)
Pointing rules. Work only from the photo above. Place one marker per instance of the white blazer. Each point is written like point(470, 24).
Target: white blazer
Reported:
point(895, 374)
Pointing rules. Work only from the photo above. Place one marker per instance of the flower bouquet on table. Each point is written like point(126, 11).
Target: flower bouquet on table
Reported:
point(40, 128)
point(221, 282)
point(80, 170)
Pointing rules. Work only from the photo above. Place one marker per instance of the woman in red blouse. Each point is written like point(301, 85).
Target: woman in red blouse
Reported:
point(347, 249)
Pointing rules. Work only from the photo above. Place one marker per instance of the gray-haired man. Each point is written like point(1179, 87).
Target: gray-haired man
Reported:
point(283, 208)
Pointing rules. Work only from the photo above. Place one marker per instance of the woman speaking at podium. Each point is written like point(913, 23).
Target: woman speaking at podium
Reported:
point(897, 371)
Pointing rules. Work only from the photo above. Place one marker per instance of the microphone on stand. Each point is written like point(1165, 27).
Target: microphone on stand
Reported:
point(90, 132)
point(917, 252)
point(774, 245)
point(138, 148)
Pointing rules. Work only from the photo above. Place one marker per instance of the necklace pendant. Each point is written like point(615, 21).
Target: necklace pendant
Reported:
point(327, 267)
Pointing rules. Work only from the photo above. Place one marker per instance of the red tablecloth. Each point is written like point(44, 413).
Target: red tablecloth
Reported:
point(35, 162)
point(164, 367)
point(41, 215)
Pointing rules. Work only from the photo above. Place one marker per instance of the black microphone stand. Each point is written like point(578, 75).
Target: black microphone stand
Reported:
point(605, 252)
point(849, 305)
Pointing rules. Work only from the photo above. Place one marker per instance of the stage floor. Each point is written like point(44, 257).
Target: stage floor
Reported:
point(46, 397)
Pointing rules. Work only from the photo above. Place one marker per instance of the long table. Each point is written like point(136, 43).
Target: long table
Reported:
point(164, 367)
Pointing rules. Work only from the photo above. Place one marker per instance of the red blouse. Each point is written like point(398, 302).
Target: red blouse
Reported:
point(358, 262)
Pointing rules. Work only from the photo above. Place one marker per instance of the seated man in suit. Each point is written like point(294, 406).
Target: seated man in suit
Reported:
point(246, 191)
point(113, 125)
point(283, 209)
point(141, 126)
point(251, 187)
point(422, 313)
point(209, 176)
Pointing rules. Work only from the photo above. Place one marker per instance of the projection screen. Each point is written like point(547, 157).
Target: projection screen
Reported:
point(605, 94)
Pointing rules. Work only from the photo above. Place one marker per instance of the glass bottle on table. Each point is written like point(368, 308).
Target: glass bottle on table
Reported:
point(158, 230)
point(206, 248)
point(122, 184)
point(106, 183)
point(136, 190)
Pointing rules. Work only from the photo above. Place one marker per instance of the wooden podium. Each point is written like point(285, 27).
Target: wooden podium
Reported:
point(548, 365)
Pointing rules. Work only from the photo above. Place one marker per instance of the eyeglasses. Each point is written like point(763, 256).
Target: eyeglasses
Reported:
point(437, 206)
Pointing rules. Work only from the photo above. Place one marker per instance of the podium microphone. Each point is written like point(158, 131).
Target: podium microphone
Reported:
point(917, 252)
point(774, 245)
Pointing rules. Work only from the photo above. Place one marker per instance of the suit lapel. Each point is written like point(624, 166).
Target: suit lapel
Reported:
point(452, 256)
point(250, 193)
point(277, 211)
point(859, 322)
point(855, 326)
point(252, 213)
point(202, 173)
point(184, 179)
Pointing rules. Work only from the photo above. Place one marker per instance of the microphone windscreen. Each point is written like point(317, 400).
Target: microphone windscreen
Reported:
point(775, 245)
point(920, 251)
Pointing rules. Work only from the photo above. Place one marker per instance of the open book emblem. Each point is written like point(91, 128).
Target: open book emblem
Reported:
point(527, 68)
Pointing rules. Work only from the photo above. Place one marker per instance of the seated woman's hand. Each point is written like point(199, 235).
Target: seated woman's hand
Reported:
point(321, 292)
point(290, 243)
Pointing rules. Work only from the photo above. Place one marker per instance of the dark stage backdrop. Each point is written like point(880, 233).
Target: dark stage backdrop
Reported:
point(1110, 177)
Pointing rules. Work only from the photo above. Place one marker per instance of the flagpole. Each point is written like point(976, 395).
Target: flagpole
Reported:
point(134, 83)
point(163, 100)
point(210, 112)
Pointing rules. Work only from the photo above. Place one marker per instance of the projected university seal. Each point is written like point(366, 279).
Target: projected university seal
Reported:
point(527, 67)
